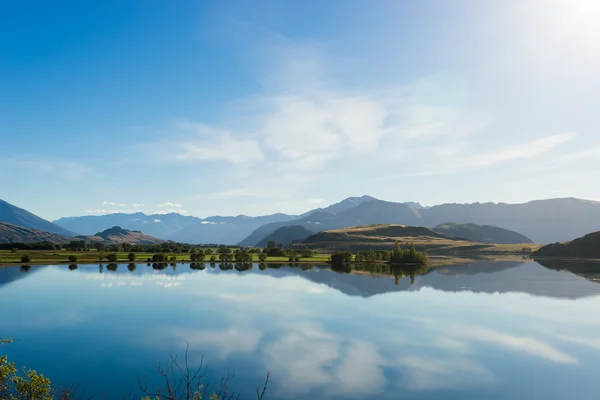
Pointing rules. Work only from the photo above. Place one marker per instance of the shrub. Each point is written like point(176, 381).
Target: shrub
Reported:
point(112, 257)
point(72, 258)
point(262, 257)
point(25, 259)
point(131, 257)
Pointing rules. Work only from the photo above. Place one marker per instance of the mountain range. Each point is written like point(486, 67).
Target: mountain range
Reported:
point(14, 215)
point(541, 221)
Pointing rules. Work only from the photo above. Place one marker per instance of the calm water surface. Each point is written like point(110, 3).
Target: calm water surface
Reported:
point(478, 331)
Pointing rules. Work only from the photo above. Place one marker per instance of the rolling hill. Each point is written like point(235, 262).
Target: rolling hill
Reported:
point(481, 233)
point(587, 246)
point(10, 233)
point(117, 234)
point(373, 237)
point(17, 216)
point(285, 235)
point(383, 237)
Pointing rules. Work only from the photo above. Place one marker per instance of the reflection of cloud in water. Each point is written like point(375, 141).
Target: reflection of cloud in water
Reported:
point(591, 343)
point(307, 358)
point(110, 280)
point(521, 344)
point(360, 372)
point(230, 341)
point(427, 373)
point(448, 343)
point(303, 358)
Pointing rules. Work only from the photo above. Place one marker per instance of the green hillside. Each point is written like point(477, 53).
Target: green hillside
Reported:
point(285, 235)
point(584, 247)
point(481, 233)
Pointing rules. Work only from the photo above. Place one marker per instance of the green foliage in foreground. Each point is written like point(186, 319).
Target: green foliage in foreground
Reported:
point(179, 381)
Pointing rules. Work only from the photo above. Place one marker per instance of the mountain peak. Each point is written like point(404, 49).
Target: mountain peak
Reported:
point(17, 216)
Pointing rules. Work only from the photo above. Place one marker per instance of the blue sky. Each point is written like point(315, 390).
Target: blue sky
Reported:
point(225, 107)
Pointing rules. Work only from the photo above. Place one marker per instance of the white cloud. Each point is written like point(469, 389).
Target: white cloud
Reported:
point(122, 205)
point(208, 223)
point(68, 170)
point(523, 150)
point(208, 144)
point(169, 204)
point(102, 211)
point(108, 203)
point(315, 201)
point(232, 194)
point(137, 205)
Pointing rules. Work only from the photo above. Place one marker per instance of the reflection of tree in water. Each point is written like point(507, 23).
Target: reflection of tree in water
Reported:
point(262, 266)
point(72, 267)
point(275, 266)
point(25, 268)
point(112, 267)
point(242, 267)
point(398, 271)
point(341, 267)
point(159, 266)
point(197, 266)
point(225, 266)
point(131, 267)
point(307, 267)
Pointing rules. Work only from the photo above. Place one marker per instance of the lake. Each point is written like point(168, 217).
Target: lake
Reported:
point(482, 330)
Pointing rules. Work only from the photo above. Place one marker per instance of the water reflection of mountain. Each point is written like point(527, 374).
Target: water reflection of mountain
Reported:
point(557, 279)
point(585, 268)
point(478, 277)
point(11, 274)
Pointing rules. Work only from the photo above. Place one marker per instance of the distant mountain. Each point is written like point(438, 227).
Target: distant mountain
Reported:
point(365, 213)
point(542, 221)
point(116, 234)
point(584, 247)
point(17, 216)
point(345, 204)
point(285, 235)
point(10, 233)
point(225, 230)
point(176, 227)
point(481, 233)
point(159, 225)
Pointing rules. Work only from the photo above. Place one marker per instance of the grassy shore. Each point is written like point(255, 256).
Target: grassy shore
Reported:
point(38, 257)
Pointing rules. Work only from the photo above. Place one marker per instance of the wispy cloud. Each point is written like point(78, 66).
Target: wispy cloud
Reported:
point(68, 170)
point(232, 194)
point(169, 204)
point(108, 203)
point(198, 142)
point(315, 201)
